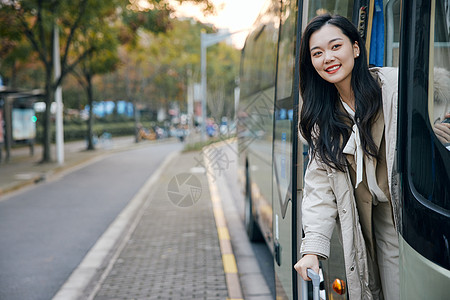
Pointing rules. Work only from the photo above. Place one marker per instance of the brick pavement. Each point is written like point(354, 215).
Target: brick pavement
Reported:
point(174, 251)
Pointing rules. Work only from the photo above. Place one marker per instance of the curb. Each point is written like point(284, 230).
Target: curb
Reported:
point(228, 258)
point(51, 174)
point(110, 243)
point(16, 187)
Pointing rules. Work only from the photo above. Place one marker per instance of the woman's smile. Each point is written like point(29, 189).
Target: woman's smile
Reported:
point(333, 55)
point(333, 69)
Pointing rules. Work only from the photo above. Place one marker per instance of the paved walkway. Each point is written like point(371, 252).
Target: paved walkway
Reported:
point(169, 243)
point(173, 253)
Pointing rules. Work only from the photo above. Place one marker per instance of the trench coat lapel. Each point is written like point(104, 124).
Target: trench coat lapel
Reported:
point(378, 130)
point(349, 123)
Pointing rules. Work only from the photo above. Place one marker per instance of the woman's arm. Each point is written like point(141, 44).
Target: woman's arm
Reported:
point(319, 212)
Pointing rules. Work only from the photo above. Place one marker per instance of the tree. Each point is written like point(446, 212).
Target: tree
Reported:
point(157, 70)
point(146, 19)
point(223, 69)
point(223, 66)
point(14, 51)
point(36, 20)
point(155, 61)
point(101, 37)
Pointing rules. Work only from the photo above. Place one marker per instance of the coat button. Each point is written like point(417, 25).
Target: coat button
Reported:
point(344, 211)
point(352, 268)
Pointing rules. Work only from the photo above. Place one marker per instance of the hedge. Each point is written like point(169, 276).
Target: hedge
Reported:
point(73, 132)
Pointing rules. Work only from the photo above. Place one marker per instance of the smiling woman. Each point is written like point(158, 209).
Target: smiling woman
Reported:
point(343, 120)
point(333, 67)
point(333, 56)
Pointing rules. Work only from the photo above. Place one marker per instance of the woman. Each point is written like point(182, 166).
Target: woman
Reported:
point(348, 118)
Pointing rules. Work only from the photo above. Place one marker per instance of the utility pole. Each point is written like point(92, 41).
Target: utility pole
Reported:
point(58, 98)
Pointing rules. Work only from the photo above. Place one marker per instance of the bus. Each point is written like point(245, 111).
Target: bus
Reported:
point(413, 36)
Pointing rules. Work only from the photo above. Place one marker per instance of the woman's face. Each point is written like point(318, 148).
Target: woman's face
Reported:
point(333, 54)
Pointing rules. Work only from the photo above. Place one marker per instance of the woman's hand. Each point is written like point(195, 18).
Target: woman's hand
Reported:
point(442, 131)
point(309, 261)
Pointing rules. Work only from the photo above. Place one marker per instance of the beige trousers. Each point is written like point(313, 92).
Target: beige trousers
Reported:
point(387, 250)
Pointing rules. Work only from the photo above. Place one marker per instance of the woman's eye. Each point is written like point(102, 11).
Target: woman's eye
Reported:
point(334, 47)
point(316, 54)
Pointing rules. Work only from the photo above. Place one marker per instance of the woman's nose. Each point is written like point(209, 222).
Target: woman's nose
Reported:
point(329, 56)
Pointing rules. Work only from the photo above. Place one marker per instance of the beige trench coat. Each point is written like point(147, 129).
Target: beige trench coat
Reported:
point(328, 197)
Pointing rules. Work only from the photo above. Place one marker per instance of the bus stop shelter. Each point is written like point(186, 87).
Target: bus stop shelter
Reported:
point(17, 119)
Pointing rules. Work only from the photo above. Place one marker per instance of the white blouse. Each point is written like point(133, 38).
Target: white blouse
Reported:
point(353, 147)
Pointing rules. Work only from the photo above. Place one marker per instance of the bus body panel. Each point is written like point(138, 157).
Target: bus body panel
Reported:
point(255, 115)
point(414, 268)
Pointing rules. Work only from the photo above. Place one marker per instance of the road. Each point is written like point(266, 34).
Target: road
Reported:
point(45, 231)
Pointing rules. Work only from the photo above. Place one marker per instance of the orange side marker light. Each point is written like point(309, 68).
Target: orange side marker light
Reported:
point(339, 286)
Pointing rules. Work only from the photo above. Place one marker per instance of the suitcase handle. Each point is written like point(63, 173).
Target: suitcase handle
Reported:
point(316, 283)
point(315, 278)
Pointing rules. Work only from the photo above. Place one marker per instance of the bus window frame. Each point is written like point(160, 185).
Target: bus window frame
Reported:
point(422, 222)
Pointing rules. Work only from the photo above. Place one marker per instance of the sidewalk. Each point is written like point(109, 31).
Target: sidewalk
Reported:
point(170, 247)
point(23, 169)
point(170, 242)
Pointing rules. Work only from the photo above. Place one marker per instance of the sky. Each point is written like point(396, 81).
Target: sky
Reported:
point(233, 15)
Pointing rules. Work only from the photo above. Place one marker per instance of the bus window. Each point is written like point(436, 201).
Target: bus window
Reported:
point(439, 95)
point(430, 163)
point(392, 30)
point(338, 7)
point(286, 45)
point(285, 104)
point(259, 55)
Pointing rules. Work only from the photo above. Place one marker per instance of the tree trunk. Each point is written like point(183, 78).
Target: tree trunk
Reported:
point(90, 132)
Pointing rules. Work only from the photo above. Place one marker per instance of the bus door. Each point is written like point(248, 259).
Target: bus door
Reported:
point(290, 154)
point(284, 158)
point(332, 269)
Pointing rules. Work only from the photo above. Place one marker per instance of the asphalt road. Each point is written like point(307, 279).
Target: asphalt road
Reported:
point(46, 231)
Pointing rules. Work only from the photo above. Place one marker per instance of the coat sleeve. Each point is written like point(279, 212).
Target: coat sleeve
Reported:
point(319, 211)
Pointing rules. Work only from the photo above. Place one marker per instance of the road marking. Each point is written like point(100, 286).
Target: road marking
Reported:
point(223, 233)
point(228, 258)
point(229, 263)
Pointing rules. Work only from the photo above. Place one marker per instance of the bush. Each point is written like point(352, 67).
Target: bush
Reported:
point(73, 132)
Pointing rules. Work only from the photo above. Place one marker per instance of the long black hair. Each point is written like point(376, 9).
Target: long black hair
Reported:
point(322, 122)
